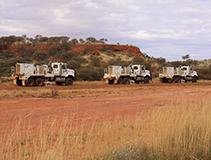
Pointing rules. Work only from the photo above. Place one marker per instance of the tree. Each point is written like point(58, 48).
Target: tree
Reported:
point(187, 56)
point(81, 40)
point(74, 41)
point(40, 55)
point(91, 40)
point(103, 40)
point(66, 46)
point(54, 50)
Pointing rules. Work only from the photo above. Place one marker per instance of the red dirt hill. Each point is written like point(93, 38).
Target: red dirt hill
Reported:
point(117, 48)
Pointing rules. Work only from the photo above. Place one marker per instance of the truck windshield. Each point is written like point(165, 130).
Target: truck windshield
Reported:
point(135, 68)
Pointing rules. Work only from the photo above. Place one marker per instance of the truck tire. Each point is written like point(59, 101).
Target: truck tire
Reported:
point(68, 82)
point(19, 82)
point(39, 82)
point(126, 81)
point(110, 81)
point(178, 80)
point(194, 80)
point(120, 80)
point(30, 82)
point(146, 80)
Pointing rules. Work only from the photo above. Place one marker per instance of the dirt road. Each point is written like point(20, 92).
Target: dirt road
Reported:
point(99, 106)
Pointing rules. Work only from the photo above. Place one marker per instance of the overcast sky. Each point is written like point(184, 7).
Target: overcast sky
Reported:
point(160, 28)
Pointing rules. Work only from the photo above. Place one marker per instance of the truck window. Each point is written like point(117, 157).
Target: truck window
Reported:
point(185, 69)
point(55, 66)
point(135, 68)
point(63, 66)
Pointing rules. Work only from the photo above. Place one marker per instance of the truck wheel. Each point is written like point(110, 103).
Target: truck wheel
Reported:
point(30, 82)
point(194, 80)
point(178, 80)
point(120, 80)
point(39, 82)
point(169, 81)
point(68, 82)
point(110, 81)
point(146, 80)
point(19, 82)
point(161, 80)
point(59, 83)
point(126, 81)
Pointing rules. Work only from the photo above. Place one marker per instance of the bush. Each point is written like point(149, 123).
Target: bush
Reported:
point(68, 55)
point(72, 64)
point(130, 55)
point(54, 50)
point(106, 49)
point(90, 74)
point(95, 61)
point(28, 52)
point(204, 74)
point(40, 55)
point(7, 54)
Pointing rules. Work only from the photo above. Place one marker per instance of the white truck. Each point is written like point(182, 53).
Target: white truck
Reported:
point(123, 75)
point(188, 74)
point(25, 74)
point(175, 75)
point(170, 74)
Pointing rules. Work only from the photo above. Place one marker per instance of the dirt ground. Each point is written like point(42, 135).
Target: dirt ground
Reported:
point(100, 102)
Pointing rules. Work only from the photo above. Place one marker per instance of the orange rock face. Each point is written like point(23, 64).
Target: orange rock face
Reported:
point(117, 48)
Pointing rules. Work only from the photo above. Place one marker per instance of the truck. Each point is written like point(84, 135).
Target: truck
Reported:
point(176, 75)
point(188, 74)
point(124, 75)
point(170, 75)
point(26, 74)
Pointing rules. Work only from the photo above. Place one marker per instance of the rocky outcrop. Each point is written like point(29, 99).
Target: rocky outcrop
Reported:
point(82, 48)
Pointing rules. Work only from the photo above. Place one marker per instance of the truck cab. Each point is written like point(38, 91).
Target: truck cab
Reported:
point(188, 74)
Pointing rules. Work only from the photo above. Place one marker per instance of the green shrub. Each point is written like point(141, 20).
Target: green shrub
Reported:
point(73, 64)
point(130, 55)
point(54, 50)
point(68, 55)
point(7, 54)
point(40, 55)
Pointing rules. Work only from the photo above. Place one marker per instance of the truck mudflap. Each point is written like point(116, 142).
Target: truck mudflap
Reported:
point(23, 83)
point(14, 81)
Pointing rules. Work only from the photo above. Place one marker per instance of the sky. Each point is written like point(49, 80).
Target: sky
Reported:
point(160, 28)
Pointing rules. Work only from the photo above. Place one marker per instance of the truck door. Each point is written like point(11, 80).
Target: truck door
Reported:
point(56, 69)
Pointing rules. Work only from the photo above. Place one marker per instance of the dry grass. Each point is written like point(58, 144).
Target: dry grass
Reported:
point(179, 131)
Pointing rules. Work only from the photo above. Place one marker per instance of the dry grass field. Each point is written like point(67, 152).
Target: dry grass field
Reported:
point(94, 120)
